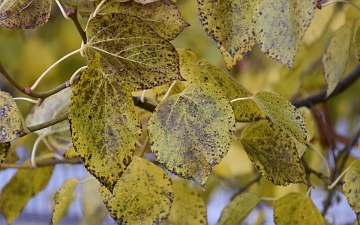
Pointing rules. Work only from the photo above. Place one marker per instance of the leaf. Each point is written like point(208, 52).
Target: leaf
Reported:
point(22, 186)
point(104, 124)
point(335, 59)
point(200, 71)
point(143, 194)
point(58, 135)
point(282, 113)
point(63, 198)
point(201, 116)
point(352, 187)
point(229, 24)
point(9, 118)
point(357, 43)
point(162, 16)
point(160, 91)
point(28, 14)
point(281, 25)
point(273, 152)
point(70, 153)
point(188, 206)
point(131, 50)
point(295, 208)
point(238, 209)
point(4, 149)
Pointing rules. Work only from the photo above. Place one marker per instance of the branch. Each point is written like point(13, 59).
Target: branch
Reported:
point(346, 150)
point(41, 164)
point(147, 104)
point(246, 186)
point(321, 96)
point(73, 16)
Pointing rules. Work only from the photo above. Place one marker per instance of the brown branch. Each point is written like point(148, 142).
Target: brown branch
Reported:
point(346, 150)
point(321, 96)
point(41, 164)
point(74, 18)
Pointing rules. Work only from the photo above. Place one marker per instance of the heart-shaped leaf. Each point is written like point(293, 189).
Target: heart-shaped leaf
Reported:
point(203, 117)
point(9, 118)
point(103, 122)
point(132, 50)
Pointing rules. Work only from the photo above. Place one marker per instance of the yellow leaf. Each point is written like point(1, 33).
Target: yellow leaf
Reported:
point(4, 149)
point(200, 71)
point(230, 24)
point(18, 14)
point(63, 198)
point(176, 88)
point(295, 208)
point(9, 118)
point(273, 152)
point(352, 186)
point(191, 132)
point(71, 153)
point(143, 194)
point(357, 43)
point(282, 113)
point(335, 59)
point(188, 207)
point(162, 16)
point(104, 124)
point(132, 51)
point(281, 25)
point(238, 209)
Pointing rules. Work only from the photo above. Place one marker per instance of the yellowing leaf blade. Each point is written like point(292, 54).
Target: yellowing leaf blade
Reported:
point(352, 187)
point(201, 116)
point(273, 152)
point(104, 123)
point(282, 113)
point(281, 25)
point(295, 208)
point(335, 59)
point(63, 198)
point(17, 14)
point(4, 149)
point(357, 43)
point(131, 50)
point(143, 194)
point(9, 118)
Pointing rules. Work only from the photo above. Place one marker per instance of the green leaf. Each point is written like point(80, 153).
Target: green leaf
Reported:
point(203, 117)
point(104, 124)
point(200, 71)
point(281, 25)
point(282, 113)
point(162, 16)
point(4, 149)
point(9, 118)
point(27, 14)
point(296, 208)
point(131, 50)
point(357, 43)
point(335, 59)
point(58, 135)
point(273, 152)
point(352, 186)
point(230, 24)
point(63, 198)
point(188, 206)
point(22, 186)
point(143, 194)
point(238, 209)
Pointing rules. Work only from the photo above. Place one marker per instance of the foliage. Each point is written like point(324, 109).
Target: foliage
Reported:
point(143, 112)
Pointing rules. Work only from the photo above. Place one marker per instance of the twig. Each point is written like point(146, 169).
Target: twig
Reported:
point(246, 186)
point(73, 16)
point(147, 104)
point(309, 171)
point(347, 148)
point(42, 164)
point(321, 96)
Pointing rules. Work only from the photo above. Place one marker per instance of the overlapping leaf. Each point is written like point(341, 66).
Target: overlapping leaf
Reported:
point(4, 149)
point(132, 50)
point(229, 23)
point(9, 118)
point(296, 208)
point(352, 186)
point(162, 16)
point(22, 186)
point(335, 59)
point(29, 14)
point(273, 152)
point(143, 194)
point(191, 132)
point(63, 198)
point(188, 207)
point(58, 135)
point(197, 71)
point(238, 209)
point(282, 113)
point(104, 124)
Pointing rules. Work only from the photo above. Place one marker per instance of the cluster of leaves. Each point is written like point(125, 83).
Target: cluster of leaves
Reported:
point(196, 109)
